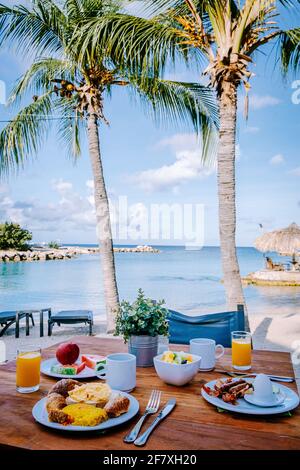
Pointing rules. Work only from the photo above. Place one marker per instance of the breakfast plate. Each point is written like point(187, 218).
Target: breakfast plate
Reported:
point(47, 365)
point(290, 402)
point(40, 414)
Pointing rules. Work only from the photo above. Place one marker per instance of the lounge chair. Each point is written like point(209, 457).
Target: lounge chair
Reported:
point(217, 326)
point(70, 317)
point(8, 318)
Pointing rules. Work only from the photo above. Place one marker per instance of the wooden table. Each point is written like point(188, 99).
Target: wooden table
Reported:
point(193, 424)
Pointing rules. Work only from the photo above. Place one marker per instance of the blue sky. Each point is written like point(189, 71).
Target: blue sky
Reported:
point(147, 164)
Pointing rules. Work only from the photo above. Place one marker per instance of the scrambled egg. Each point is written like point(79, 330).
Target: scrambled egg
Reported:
point(85, 415)
point(98, 393)
point(177, 357)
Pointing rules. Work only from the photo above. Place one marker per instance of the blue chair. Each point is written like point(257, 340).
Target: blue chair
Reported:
point(69, 317)
point(217, 326)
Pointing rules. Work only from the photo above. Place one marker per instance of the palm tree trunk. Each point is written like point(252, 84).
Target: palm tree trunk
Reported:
point(104, 232)
point(226, 192)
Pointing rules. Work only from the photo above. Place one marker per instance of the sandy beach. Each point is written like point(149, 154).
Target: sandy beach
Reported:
point(270, 332)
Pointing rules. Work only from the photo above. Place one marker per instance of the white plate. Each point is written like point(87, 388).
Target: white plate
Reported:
point(40, 414)
point(291, 401)
point(86, 373)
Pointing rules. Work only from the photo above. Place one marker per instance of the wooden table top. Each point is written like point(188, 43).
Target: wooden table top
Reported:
point(193, 424)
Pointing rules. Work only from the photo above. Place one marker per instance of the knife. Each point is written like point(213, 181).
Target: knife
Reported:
point(275, 378)
point(141, 441)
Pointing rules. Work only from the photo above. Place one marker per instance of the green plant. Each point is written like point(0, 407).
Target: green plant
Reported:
point(13, 236)
point(53, 245)
point(143, 317)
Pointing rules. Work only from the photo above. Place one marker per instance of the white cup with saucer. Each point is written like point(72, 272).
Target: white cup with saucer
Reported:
point(264, 394)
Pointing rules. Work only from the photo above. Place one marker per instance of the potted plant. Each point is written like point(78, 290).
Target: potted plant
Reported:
point(140, 324)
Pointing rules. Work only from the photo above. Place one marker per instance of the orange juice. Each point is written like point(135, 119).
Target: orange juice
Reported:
point(241, 350)
point(28, 371)
point(241, 353)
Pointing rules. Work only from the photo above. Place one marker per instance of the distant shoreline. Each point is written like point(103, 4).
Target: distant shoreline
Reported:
point(40, 253)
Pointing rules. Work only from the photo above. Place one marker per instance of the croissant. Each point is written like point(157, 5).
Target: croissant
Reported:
point(116, 406)
point(64, 386)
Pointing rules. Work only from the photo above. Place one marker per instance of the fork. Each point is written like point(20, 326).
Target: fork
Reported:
point(152, 408)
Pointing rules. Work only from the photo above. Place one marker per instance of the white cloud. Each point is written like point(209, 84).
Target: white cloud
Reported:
point(277, 159)
point(61, 186)
point(262, 101)
point(295, 171)
point(90, 184)
point(72, 211)
point(179, 142)
point(187, 165)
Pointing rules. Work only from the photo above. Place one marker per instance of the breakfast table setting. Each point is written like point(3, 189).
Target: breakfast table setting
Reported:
point(89, 394)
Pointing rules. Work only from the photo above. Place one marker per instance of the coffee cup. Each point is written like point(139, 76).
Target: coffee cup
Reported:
point(207, 349)
point(120, 371)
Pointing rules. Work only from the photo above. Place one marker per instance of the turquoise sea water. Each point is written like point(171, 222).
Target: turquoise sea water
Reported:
point(189, 281)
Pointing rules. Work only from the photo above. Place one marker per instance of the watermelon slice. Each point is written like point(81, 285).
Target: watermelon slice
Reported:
point(72, 369)
point(93, 361)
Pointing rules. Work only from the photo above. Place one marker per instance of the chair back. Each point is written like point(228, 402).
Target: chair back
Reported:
point(217, 326)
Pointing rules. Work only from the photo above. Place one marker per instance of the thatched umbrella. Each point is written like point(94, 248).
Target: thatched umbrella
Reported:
point(284, 241)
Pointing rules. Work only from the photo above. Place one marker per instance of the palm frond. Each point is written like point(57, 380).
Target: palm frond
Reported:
point(40, 75)
point(70, 127)
point(178, 103)
point(22, 137)
point(130, 39)
point(37, 29)
point(290, 50)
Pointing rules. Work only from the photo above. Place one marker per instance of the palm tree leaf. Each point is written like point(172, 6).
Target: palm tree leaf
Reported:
point(40, 75)
point(36, 29)
point(290, 50)
point(175, 103)
point(70, 127)
point(24, 133)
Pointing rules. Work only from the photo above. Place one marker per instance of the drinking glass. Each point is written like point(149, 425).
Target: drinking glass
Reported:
point(28, 370)
point(241, 350)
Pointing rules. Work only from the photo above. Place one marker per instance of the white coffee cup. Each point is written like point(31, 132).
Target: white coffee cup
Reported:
point(120, 371)
point(207, 349)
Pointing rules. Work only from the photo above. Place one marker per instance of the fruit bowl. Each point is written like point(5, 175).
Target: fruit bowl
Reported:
point(176, 374)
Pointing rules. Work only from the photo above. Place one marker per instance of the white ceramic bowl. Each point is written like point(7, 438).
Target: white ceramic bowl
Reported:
point(176, 374)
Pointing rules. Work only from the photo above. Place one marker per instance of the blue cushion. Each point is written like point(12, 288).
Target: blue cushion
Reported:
point(70, 315)
point(217, 326)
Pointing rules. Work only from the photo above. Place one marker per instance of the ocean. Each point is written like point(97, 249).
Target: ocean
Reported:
point(189, 281)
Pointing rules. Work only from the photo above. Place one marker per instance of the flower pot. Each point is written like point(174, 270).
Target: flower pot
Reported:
point(144, 348)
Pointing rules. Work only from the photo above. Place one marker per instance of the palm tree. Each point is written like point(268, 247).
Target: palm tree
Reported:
point(69, 86)
point(224, 35)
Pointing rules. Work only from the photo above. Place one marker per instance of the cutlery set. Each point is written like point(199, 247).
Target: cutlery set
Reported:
point(151, 409)
point(274, 378)
point(154, 404)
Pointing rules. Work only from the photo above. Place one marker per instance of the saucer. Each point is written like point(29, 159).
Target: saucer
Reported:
point(277, 399)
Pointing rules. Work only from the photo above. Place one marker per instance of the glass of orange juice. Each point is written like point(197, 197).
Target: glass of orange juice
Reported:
point(28, 370)
point(241, 350)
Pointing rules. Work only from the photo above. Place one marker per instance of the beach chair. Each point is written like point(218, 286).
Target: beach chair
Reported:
point(217, 326)
point(10, 317)
point(69, 317)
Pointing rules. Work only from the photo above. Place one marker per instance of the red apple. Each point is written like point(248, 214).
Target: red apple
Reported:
point(67, 353)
